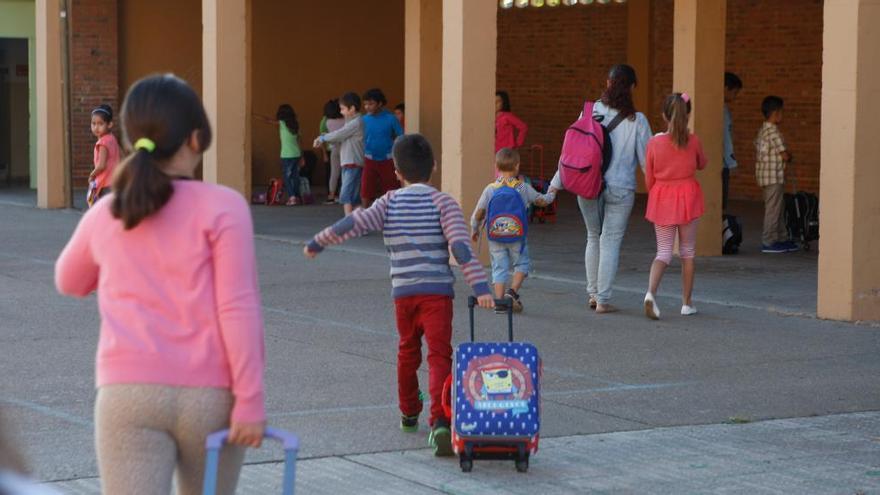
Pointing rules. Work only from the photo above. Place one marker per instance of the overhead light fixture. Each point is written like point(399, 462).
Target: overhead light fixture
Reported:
point(505, 4)
point(537, 3)
point(553, 3)
point(569, 3)
point(521, 4)
point(586, 2)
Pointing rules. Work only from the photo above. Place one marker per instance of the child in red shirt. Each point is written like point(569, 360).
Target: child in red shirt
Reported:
point(675, 200)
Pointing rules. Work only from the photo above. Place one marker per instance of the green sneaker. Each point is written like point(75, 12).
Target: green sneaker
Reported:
point(440, 439)
point(409, 424)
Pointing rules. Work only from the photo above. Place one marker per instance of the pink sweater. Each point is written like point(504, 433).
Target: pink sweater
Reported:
point(178, 294)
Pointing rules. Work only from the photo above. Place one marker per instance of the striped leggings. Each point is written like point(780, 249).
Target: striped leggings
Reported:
point(687, 241)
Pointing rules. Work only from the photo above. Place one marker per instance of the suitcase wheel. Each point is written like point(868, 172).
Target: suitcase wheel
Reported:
point(466, 463)
point(522, 464)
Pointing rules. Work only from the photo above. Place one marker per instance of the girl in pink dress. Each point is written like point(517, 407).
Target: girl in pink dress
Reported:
point(675, 200)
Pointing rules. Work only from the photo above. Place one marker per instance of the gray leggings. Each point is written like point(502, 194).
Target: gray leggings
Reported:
point(147, 434)
point(335, 170)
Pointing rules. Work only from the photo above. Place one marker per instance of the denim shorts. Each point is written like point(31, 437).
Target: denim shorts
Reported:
point(506, 256)
point(350, 192)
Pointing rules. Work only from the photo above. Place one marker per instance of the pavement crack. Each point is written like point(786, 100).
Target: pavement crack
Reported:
point(393, 475)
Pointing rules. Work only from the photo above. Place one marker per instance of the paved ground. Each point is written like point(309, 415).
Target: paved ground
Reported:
point(755, 352)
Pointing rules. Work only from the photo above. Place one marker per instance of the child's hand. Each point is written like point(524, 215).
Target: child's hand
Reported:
point(247, 434)
point(552, 190)
point(540, 202)
point(486, 301)
point(475, 237)
point(317, 143)
point(309, 254)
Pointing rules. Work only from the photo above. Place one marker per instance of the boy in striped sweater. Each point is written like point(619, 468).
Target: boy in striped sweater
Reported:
point(421, 227)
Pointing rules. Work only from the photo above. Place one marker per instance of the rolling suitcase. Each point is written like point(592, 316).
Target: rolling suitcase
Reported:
point(495, 400)
point(215, 442)
point(542, 185)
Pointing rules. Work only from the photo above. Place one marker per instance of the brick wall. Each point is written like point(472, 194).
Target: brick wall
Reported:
point(94, 75)
point(550, 59)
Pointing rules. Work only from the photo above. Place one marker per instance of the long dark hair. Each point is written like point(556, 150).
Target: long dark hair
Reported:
point(676, 111)
point(618, 94)
point(165, 110)
point(105, 111)
point(286, 114)
point(505, 100)
point(331, 109)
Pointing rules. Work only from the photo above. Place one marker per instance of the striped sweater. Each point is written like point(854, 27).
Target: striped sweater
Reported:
point(421, 227)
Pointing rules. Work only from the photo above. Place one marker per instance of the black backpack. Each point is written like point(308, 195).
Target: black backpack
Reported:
point(731, 234)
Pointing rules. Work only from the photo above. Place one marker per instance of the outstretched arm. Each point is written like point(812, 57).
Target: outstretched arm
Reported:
point(355, 225)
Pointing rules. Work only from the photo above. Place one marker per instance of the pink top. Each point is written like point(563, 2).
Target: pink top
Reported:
point(674, 195)
point(178, 294)
point(510, 131)
point(109, 142)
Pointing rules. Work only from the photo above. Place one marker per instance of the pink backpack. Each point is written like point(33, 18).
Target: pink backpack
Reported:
point(586, 154)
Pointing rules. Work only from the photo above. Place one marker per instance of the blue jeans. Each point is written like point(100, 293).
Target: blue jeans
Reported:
point(290, 174)
point(350, 193)
point(604, 236)
point(506, 255)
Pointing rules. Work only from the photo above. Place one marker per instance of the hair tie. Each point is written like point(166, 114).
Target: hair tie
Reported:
point(145, 144)
point(685, 98)
point(101, 110)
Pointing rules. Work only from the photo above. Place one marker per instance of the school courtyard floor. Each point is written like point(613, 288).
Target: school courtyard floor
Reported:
point(752, 395)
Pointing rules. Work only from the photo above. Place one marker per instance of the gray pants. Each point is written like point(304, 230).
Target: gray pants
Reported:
point(774, 209)
point(145, 434)
point(604, 237)
point(335, 171)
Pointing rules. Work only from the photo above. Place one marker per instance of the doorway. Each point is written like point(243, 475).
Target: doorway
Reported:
point(14, 113)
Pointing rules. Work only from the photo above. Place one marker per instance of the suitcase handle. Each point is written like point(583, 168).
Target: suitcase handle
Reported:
point(499, 303)
point(216, 440)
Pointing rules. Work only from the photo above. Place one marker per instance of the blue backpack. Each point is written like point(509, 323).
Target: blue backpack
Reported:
point(506, 214)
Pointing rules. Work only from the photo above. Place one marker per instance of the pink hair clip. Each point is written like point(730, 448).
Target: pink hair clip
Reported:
point(685, 98)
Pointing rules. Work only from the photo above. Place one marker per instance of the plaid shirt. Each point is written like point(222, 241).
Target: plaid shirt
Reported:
point(769, 147)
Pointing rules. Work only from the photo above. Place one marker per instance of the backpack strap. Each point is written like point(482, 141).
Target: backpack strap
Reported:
point(615, 122)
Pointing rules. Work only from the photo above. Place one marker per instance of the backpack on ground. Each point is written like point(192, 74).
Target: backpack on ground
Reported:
point(275, 193)
point(802, 217)
point(506, 214)
point(731, 234)
point(586, 154)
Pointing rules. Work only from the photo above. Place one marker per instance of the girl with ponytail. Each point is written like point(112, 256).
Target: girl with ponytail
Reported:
point(675, 200)
point(180, 353)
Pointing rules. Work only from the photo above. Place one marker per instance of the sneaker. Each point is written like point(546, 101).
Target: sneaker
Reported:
point(409, 424)
point(514, 296)
point(330, 201)
point(775, 248)
point(688, 310)
point(651, 309)
point(440, 438)
point(791, 246)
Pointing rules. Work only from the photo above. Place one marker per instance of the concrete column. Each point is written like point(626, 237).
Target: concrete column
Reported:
point(423, 73)
point(469, 39)
point(638, 55)
point(226, 90)
point(52, 190)
point(849, 264)
point(698, 69)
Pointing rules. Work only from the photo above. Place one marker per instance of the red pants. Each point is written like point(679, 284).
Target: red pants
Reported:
point(431, 317)
point(378, 178)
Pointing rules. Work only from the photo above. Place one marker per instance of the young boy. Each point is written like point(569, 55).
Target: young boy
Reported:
point(732, 86)
point(351, 150)
point(506, 201)
point(421, 226)
point(771, 158)
point(381, 127)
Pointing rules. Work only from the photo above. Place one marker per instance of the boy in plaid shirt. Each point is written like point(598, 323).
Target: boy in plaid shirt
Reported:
point(771, 157)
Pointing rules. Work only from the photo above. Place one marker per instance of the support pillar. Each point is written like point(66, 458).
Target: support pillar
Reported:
point(226, 90)
point(469, 58)
point(698, 69)
point(849, 265)
point(423, 73)
point(638, 55)
point(52, 187)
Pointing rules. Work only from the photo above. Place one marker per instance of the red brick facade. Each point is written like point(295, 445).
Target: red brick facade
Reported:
point(94, 75)
point(550, 59)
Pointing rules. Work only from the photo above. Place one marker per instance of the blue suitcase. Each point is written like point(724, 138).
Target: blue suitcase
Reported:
point(215, 442)
point(495, 400)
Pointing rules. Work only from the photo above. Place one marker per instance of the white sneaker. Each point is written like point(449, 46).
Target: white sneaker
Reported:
point(688, 310)
point(651, 309)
